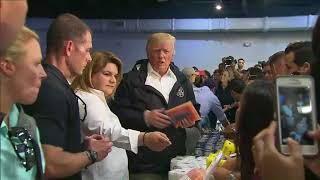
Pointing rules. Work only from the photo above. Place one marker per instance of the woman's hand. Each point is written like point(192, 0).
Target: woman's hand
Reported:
point(271, 164)
point(313, 163)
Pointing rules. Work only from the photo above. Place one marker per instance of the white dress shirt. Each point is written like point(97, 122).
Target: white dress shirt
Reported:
point(163, 84)
point(101, 120)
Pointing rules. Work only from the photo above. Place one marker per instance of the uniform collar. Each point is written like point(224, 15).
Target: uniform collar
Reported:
point(13, 118)
point(56, 72)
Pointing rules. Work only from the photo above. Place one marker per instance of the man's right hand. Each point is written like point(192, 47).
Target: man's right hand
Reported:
point(156, 141)
point(100, 144)
point(157, 118)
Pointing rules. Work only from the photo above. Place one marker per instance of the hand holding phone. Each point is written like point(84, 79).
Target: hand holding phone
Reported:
point(296, 112)
point(273, 165)
point(313, 163)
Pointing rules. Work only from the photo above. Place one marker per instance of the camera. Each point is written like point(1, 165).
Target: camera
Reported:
point(229, 60)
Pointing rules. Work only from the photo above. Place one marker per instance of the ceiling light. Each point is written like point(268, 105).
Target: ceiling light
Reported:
point(218, 6)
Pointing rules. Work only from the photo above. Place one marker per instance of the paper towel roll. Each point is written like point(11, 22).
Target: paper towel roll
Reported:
point(184, 165)
point(180, 160)
point(174, 161)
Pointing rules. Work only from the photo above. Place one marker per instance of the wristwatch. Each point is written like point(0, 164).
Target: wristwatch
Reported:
point(232, 176)
point(92, 156)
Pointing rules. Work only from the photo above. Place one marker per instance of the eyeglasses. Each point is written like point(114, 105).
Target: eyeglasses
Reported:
point(82, 109)
point(23, 146)
point(252, 77)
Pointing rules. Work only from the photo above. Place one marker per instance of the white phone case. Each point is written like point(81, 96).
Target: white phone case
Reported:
point(296, 112)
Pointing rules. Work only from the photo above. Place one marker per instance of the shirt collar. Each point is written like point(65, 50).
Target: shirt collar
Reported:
point(56, 72)
point(151, 71)
point(98, 93)
point(13, 118)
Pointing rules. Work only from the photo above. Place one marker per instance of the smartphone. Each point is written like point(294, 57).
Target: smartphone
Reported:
point(296, 112)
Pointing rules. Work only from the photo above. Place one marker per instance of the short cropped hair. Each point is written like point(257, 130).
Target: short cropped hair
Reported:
point(241, 59)
point(292, 47)
point(255, 73)
point(273, 59)
point(303, 55)
point(64, 28)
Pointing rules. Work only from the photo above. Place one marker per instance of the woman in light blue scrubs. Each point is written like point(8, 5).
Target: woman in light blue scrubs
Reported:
point(21, 74)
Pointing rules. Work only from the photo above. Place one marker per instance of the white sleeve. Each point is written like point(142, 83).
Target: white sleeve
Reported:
point(100, 120)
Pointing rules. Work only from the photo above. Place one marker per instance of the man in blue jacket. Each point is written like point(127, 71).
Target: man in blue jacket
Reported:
point(151, 87)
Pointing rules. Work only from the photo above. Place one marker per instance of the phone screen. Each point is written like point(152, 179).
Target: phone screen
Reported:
point(296, 114)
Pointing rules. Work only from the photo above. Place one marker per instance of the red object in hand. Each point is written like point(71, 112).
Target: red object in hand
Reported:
point(185, 111)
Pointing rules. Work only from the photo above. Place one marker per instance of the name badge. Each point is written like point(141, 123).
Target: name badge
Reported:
point(180, 92)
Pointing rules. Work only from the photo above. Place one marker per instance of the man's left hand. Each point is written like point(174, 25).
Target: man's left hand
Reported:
point(185, 123)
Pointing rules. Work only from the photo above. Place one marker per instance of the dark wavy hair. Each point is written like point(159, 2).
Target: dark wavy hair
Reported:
point(315, 67)
point(256, 113)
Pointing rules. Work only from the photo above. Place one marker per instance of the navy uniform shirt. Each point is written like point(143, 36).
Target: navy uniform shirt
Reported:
point(57, 113)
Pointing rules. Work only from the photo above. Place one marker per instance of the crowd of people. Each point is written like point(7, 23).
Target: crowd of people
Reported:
point(73, 114)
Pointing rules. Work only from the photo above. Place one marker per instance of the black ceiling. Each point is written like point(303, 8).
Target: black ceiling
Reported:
point(159, 9)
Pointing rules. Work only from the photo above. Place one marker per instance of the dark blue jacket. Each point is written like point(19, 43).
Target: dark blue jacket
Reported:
point(132, 98)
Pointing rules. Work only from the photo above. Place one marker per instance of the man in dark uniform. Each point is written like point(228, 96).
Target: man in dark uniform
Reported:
point(56, 110)
point(152, 86)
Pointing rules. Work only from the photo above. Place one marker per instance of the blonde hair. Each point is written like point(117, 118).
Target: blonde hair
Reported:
point(16, 48)
point(13, 53)
point(99, 60)
point(158, 37)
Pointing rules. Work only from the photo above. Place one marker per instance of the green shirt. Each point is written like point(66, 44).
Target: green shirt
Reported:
point(10, 165)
